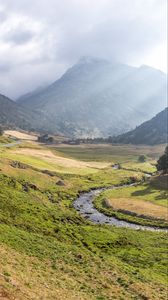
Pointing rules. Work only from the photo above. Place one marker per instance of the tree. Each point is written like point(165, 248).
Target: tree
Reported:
point(1, 131)
point(162, 163)
point(142, 158)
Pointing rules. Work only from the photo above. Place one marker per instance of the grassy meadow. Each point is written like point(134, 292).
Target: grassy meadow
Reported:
point(141, 204)
point(4, 140)
point(49, 251)
point(110, 153)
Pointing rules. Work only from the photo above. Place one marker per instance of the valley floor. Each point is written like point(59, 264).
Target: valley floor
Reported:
point(49, 251)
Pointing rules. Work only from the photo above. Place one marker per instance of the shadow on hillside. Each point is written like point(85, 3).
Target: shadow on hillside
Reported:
point(163, 195)
point(142, 192)
point(147, 191)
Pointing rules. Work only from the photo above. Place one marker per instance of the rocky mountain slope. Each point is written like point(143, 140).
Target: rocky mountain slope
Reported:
point(154, 131)
point(98, 98)
point(13, 115)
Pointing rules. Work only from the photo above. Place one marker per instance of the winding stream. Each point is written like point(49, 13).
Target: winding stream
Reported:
point(84, 205)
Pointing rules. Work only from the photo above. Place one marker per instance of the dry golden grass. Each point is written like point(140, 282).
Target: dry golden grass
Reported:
point(50, 157)
point(21, 135)
point(140, 207)
point(23, 277)
point(28, 278)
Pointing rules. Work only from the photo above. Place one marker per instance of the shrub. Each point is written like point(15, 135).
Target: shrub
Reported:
point(162, 163)
point(1, 131)
point(142, 158)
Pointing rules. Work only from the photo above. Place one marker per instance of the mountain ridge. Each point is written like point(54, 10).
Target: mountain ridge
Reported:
point(97, 98)
point(11, 114)
point(153, 131)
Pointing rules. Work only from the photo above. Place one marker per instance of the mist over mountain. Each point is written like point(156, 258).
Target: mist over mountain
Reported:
point(30, 94)
point(12, 115)
point(154, 131)
point(97, 98)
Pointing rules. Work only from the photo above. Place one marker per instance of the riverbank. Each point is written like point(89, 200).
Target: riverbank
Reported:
point(88, 207)
point(49, 251)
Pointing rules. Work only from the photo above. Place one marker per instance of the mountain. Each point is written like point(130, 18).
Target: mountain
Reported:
point(12, 115)
point(97, 98)
point(30, 94)
point(154, 131)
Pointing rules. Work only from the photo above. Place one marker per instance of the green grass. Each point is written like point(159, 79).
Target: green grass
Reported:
point(99, 260)
point(41, 164)
point(63, 252)
point(5, 140)
point(146, 167)
point(142, 192)
point(110, 153)
point(31, 209)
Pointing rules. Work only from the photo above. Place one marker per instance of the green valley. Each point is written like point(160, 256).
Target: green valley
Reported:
point(49, 251)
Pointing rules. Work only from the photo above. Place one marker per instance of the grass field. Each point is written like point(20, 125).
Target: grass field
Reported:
point(48, 251)
point(4, 140)
point(110, 153)
point(142, 204)
point(139, 207)
point(45, 159)
point(21, 135)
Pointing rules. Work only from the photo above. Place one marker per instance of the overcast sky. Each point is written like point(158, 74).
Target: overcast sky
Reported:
point(40, 39)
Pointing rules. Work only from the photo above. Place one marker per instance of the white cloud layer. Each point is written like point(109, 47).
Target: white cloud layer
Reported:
point(39, 39)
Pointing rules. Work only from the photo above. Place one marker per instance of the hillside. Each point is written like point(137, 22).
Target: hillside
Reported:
point(30, 94)
point(12, 115)
point(154, 131)
point(97, 98)
point(50, 251)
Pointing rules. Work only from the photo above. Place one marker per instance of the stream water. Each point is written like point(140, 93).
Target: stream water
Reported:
point(84, 205)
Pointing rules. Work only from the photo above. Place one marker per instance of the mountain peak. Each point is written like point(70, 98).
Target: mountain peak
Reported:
point(150, 69)
point(95, 95)
point(90, 60)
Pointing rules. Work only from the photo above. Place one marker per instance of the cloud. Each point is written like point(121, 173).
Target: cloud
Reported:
point(39, 39)
point(3, 16)
point(19, 36)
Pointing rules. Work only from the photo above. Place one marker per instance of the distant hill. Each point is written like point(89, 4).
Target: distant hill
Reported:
point(12, 115)
point(30, 94)
point(154, 131)
point(99, 98)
